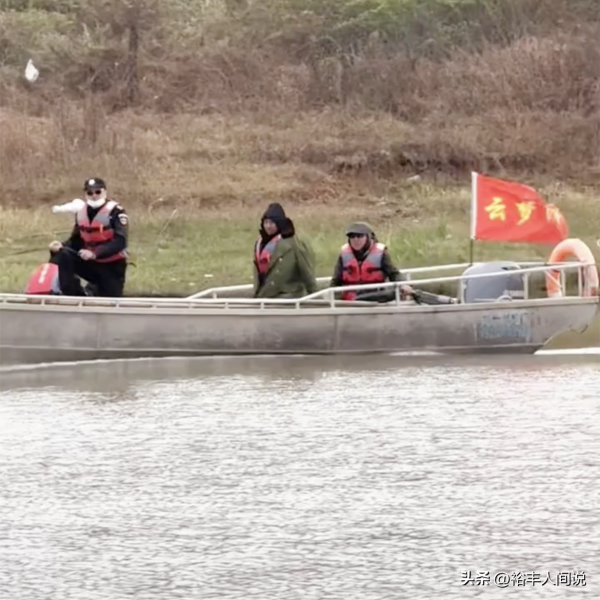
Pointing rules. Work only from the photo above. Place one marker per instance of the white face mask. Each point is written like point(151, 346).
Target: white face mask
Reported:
point(96, 201)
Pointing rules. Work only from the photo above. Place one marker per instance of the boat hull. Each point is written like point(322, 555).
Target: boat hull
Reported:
point(36, 333)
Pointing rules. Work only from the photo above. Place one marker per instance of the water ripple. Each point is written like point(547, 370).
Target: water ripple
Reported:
point(300, 482)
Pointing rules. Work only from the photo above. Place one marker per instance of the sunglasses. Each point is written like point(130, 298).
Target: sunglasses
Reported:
point(354, 236)
point(93, 192)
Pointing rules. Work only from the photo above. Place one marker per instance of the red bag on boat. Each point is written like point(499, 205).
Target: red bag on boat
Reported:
point(44, 280)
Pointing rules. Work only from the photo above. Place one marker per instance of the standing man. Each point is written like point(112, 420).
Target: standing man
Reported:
point(97, 248)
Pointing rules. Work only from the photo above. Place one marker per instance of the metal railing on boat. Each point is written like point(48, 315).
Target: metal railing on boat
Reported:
point(213, 292)
point(408, 273)
point(324, 297)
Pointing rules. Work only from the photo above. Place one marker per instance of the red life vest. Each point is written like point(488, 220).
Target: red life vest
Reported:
point(99, 231)
point(44, 280)
point(367, 271)
point(263, 257)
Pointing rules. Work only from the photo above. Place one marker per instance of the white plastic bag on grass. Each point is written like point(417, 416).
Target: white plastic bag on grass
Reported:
point(31, 73)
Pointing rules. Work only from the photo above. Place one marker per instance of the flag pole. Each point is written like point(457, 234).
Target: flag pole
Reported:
point(473, 214)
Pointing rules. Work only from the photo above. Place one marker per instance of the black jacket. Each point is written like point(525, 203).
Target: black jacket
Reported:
point(120, 224)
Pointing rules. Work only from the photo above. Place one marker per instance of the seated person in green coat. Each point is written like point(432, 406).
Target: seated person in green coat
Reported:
point(284, 265)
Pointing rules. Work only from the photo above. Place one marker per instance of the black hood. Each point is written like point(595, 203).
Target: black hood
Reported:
point(276, 214)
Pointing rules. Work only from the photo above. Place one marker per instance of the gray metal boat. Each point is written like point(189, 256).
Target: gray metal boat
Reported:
point(492, 311)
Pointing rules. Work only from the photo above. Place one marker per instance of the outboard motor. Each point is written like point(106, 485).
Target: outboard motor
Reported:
point(490, 289)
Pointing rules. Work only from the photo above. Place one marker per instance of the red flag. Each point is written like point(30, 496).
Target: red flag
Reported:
point(505, 211)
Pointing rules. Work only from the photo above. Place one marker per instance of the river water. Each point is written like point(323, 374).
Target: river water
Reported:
point(302, 478)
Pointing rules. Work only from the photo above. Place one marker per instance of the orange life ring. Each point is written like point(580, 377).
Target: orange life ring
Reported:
point(572, 247)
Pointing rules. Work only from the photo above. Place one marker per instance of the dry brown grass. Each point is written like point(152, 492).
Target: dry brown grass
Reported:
point(214, 160)
point(227, 124)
